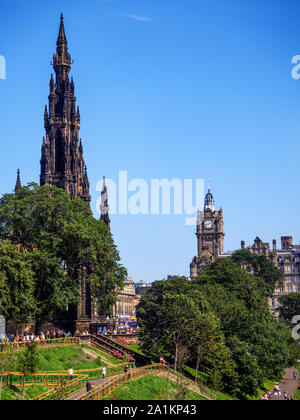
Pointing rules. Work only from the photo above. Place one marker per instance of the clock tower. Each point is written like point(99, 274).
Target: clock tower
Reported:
point(210, 235)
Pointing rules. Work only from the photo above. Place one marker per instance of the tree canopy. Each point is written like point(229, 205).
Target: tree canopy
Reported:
point(259, 266)
point(57, 240)
point(223, 320)
point(289, 306)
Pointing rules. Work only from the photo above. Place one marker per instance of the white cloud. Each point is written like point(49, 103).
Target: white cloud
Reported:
point(140, 18)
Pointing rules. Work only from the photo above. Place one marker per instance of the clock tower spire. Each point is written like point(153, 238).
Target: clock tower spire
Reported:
point(210, 235)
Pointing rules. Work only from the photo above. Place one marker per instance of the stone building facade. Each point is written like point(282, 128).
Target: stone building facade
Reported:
point(287, 259)
point(127, 301)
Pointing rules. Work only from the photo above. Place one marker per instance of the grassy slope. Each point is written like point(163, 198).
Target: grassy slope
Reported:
point(54, 359)
point(106, 356)
point(150, 388)
point(61, 358)
point(297, 395)
point(15, 393)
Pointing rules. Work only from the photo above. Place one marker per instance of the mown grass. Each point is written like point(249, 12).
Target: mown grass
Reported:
point(137, 349)
point(12, 393)
point(61, 358)
point(152, 387)
point(106, 356)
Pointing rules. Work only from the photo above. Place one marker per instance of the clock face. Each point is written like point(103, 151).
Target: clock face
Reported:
point(208, 224)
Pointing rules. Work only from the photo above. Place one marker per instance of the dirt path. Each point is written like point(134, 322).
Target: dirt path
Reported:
point(188, 385)
point(82, 391)
point(288, 384)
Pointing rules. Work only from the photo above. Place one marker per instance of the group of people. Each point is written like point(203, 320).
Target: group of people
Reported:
point(276, 391)
point(28, 336)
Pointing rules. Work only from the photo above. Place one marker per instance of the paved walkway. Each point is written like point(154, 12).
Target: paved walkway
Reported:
point(288, 384)
point(82, 391)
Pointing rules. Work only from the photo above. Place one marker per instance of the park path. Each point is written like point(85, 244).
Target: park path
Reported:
point(95, 383)
point(288, 384)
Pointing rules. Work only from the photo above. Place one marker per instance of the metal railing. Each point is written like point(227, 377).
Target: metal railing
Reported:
point(81, 376)
point(38, 378)
point(111, 385)
point(64, 389)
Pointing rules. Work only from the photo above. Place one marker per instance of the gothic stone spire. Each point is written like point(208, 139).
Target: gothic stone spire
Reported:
point(104, 205)
point(18, 183)
point(62, 163)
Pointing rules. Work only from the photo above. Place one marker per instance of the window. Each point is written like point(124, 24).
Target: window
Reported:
point(288, 268)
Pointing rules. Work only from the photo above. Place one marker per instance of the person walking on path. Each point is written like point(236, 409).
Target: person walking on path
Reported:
point(295, 375)
point(70, 373)
point(89, 386)
point(103, 372)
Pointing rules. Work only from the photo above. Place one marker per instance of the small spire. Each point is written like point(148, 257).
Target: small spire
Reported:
point(104, 205)
point(51, 83)
point(80, 146)
point(18, 183)
point(72, 85)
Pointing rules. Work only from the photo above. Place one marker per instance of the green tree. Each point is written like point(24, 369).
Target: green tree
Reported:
point(239, 301)
point(289, 307)
point(63, 243)
point(6, 359)
point(28, 361)
point(16, 285)
point(259, 266)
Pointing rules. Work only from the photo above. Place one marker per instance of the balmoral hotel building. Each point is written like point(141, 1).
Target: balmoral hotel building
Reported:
point(210, 243)
point(287, 259)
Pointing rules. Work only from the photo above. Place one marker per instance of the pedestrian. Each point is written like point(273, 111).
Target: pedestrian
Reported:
point(103, 372)
point(70, 373)
point(88, 386)
point(295, 375)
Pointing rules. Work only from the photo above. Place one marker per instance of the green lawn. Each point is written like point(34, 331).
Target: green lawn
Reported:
point(137, 349)
point(106, 356)
point(61, 358)
point(16, 393)
point(152, 387)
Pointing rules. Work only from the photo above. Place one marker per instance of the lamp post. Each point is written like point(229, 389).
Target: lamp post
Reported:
point(108, 323)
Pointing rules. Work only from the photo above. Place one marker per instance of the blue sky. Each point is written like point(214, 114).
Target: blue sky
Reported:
point(167, 89)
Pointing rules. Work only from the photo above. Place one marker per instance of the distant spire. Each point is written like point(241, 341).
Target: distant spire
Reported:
point(18, 183)
point(104, 205)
